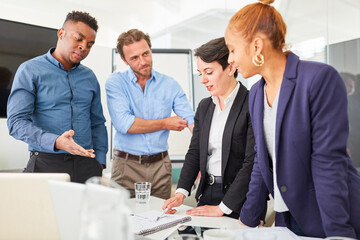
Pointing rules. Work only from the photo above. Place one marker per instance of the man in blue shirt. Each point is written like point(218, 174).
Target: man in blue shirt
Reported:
point(140, 102)
point(55, 106)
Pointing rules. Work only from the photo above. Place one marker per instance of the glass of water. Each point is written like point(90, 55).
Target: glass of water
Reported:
point(142, 192)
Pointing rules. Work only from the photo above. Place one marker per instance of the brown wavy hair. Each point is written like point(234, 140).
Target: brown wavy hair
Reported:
point(129, 37)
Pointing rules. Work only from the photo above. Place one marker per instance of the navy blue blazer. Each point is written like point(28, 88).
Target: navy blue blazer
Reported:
point(315, 175)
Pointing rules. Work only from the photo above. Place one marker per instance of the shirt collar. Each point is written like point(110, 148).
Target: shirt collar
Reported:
point(133, 77)
point(56, 62)
point(230, 99)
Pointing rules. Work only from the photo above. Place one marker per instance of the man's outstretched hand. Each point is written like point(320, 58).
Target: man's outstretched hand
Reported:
point(66, 142)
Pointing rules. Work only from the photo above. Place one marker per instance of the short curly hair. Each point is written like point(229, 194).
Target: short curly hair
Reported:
point(77, 16)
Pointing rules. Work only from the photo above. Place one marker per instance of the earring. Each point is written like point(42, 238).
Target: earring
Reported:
point(258, 60)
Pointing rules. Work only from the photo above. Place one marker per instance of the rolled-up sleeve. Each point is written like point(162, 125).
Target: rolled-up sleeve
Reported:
point(182, 106)
point(118, 104)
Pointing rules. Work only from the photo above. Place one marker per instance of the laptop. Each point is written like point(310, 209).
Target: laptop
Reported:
point(67, 199)
point(26, 210)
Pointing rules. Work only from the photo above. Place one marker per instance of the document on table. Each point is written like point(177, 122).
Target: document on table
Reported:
point(281, 233)
point(146, 223)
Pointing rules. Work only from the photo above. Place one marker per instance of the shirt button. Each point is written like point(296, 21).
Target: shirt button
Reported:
point(283, 188)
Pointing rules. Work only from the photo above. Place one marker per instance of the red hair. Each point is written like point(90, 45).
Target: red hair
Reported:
point(260, 17)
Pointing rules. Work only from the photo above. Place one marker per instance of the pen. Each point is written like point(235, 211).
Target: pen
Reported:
point(162, 214)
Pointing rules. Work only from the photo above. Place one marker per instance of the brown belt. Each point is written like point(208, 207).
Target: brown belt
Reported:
point(141, 158)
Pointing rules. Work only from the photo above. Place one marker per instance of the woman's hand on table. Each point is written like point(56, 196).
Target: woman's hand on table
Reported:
point(175, 201)
point(209, 211)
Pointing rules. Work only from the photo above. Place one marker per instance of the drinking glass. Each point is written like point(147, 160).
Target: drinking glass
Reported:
point(142, 192)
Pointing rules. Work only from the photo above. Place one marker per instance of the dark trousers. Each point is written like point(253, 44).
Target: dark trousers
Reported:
point(213, 195)
point(79, 168)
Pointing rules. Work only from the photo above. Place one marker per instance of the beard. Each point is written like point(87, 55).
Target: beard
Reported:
point(142, 72)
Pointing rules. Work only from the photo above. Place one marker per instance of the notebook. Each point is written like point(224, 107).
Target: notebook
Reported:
point(146, 223)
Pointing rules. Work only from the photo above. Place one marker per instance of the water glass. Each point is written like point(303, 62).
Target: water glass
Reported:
point(142, 192)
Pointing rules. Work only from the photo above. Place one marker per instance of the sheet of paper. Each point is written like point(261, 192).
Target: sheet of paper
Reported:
point(147, 221)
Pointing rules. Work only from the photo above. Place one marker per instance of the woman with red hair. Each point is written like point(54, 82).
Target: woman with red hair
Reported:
point(299, 115)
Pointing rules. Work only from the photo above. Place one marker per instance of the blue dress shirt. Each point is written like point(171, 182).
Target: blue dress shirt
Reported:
point(46, 100)
point(126, 100)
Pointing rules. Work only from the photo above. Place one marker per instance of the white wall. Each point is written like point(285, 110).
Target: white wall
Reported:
point(13, 153)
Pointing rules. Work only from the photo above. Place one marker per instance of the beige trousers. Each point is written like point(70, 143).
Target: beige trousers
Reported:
point(126, 172)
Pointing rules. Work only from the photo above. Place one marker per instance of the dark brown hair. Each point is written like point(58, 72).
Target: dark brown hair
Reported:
point(77, 16)
point(260, 17)
point(214, 50)
point(129, 37)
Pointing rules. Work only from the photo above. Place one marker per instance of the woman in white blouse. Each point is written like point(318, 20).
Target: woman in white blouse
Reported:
point(222, 146)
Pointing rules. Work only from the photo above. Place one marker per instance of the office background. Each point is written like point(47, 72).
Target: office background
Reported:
point(320, 30)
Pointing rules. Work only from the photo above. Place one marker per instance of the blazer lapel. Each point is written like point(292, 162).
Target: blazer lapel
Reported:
point(286, 90)
point(230, 125)
point(258, 126)
point(204, 141)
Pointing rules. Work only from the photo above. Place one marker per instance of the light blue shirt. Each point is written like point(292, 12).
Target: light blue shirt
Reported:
point(46, 100)
point(126, 100)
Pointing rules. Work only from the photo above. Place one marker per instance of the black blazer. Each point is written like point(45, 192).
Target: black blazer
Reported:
point(237, 151)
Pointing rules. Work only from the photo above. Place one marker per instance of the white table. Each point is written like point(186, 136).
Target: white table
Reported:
point(157, 203)
point(211, 222)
